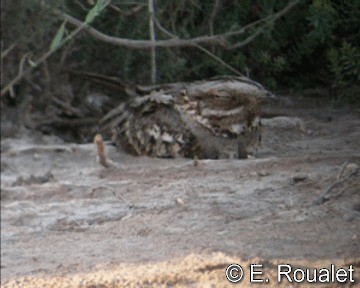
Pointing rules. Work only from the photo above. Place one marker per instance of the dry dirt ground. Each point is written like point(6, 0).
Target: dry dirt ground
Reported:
point(68, 222)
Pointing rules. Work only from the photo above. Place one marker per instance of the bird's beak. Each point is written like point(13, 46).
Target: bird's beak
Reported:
point(270, 95)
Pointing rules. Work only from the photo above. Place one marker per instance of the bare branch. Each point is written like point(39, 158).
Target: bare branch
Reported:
point(153, 40)
point(342, 169)
point(218, 39)
point(268, 19)
point(247, 40)
point(131, 12)
point(212, 55)
point(219, 60)
point(8, 50)
point(164, 30)
point(141, 44)
point(213, 15)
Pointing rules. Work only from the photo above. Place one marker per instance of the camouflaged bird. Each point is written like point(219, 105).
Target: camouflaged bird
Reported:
point(213, 119)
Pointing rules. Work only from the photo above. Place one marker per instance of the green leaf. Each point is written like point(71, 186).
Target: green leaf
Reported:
point(55, 43)
point(95, 11)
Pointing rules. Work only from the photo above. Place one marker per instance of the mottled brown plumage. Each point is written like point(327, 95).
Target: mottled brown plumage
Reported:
point(212, 119)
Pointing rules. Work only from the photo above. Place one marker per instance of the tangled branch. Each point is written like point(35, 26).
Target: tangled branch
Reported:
point(217, 39)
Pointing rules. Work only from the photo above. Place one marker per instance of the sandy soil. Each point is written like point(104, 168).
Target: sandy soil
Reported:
point(68, 222)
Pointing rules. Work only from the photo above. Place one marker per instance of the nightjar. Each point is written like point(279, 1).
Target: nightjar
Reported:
point(213, 119)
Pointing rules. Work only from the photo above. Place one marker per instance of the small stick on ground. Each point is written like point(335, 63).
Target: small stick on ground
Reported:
point(102, 157)
point(325, 197)
point(122, 198)
point(342, 169)
point(196, 161)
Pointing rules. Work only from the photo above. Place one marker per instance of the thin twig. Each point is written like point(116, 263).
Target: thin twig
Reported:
point(248, 40)
point(342, 169)
point(8, 50)
point(66, 107)
point(164, 30)
point(270, 18)
point(82, 7)
point(324, 196)
point(153, 39)
point(122, 198)
point(212, 55)
point(61, 122)
point(219, 60)
point(33, 85)
point(132, 12)
point(213, 15)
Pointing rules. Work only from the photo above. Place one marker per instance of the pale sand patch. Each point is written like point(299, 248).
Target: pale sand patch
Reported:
point(190, 271)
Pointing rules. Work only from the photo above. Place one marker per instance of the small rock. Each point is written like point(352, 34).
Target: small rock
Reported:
point(298, 178)
point(349, 218)
point(351, 167)
point(36, 156)
point(179, 201)
point(263, 173)
point(196, 161)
